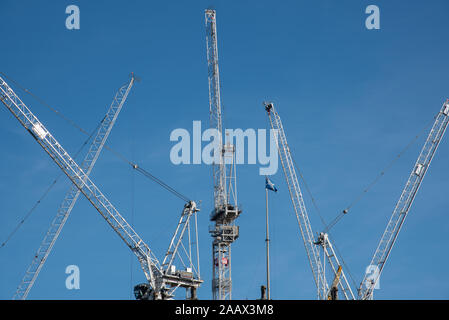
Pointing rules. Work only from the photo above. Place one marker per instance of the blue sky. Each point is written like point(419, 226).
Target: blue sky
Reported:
point(350, 99)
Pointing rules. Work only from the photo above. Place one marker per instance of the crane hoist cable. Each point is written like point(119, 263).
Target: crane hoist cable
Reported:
point(329, 226)
point(22, 221)
point(325, 225)
point(134, 165)
point(361, 195)
point(158, 285)
point(90, 135)
point(42, 102)
point(47, 191)
point(131, 222)
point(318, 212)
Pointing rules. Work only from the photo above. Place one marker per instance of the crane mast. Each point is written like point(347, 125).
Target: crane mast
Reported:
point(224, 232)
point(73, 193)
point(311, 246)
point(149, 263)
point(215, 112)
point(405, 202)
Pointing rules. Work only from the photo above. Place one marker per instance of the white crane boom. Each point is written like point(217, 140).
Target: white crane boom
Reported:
point(149, 263)
point(176, 244)
point(298, 202)
point(73, 193)
point(180, 250)
point(334, 263)
point(405, 202)
point(302, 217)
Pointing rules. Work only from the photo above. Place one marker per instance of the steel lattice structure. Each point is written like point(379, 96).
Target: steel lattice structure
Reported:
point(73, 193)
point(225, 232)
point(159, 280)
point(305, 227)
point(342, 284)
point(405, 201)
point(180, 250)
point(215, 112)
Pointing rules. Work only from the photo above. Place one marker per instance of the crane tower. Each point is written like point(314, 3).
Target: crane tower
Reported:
point(225, 211)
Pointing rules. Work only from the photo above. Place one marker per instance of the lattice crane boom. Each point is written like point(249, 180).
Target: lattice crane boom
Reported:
point(336, 267)
point(298, 202)
point(405, 201)
point(149, 263)
point(176, 242)
point(181, 251)
point(311, 246)
point(73, 193)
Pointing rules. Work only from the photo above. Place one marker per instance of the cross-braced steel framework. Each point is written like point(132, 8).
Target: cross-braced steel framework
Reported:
point(312, 247)
point(405, 202)
point(73, 193)
point(184, 251)
point(161, 285)
point(226, 210)
point(390, 234)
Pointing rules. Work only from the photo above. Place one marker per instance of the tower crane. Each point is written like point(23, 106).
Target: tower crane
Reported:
point(160, 280)
point(226, 210)
point(73, 193)
point(394, 225)
point(180, 250)
point(311, 245)
point(404, 203)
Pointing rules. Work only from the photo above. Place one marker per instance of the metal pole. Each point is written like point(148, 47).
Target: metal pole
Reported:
point(267, 240)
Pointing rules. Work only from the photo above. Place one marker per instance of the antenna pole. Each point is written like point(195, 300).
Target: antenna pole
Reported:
point(267, 241)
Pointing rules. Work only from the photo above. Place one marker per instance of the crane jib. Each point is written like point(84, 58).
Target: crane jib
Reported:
point(312, 250)
point(405, 202)
point(84, 184)
point(73, 193)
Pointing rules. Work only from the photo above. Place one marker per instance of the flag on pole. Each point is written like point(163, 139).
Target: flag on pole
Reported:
point(270, 185)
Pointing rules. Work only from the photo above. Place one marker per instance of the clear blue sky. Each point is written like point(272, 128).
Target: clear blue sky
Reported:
point(350, 100)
